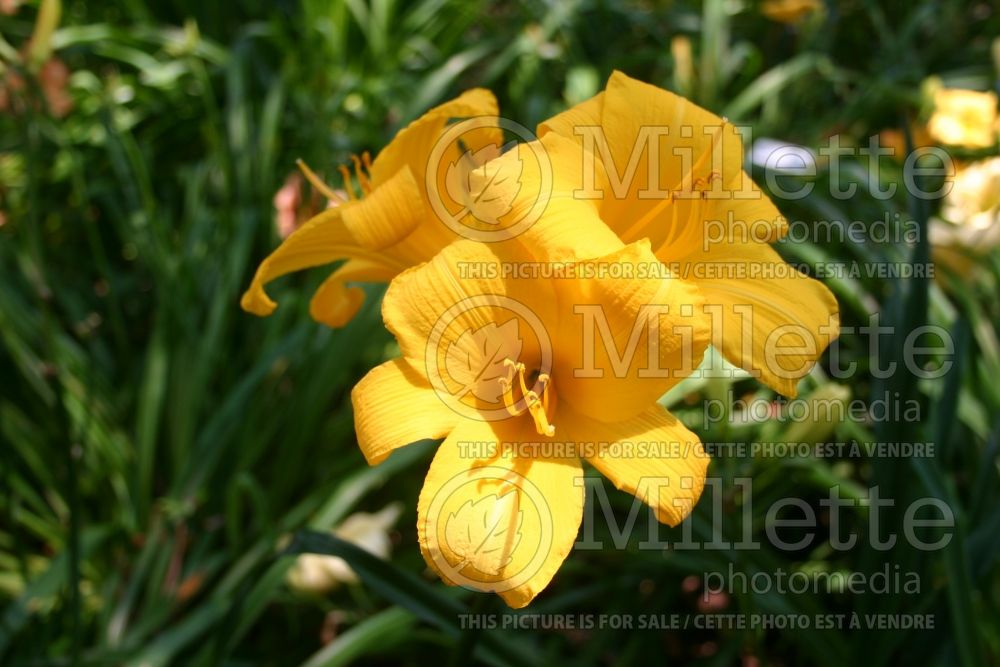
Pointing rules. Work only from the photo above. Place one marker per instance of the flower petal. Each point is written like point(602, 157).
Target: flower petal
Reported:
point(413, 144)
point(652, 456)
point(503, 523)
point(394, 405)
point(767, 317)
point(335, 303)
point(554, 185)
point(695, 174)
point(628, 331)
point(322, 240)
point(463, 289)
point(388, 213)
point(586, 114)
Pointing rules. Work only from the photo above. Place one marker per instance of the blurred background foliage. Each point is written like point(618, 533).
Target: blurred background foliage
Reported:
point(159, 447)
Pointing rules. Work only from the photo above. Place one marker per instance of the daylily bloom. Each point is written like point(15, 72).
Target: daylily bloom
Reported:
point(517, 366)
point(964, 118)
point(379, 231)
point(705, 219)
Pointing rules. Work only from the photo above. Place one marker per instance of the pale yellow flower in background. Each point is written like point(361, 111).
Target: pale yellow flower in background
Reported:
point(966, 118)
point(974, 199)
point(969, 225)
point(789, 11)
point(316, 573)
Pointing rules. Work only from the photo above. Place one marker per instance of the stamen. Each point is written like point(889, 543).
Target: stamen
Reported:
point(366, 185)
point(348, 186)
point(507, 384)
point(366, 157)
point(544, 381)
point(318, 183)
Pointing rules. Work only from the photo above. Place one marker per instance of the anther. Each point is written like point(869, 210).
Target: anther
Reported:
point(366, 185)
point(348, 186)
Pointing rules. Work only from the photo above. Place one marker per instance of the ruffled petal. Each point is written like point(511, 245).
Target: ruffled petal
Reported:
point(652, 456)
point(394, 405)
point(500, 522)
point(767, 317)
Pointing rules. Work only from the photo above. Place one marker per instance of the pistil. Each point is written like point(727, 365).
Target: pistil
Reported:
point(537, 404)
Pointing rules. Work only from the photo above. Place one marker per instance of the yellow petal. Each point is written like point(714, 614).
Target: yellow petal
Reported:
point(767, 317)
point(335, 303)
point(695, 151)
point(394, 405)
point(964, 118)
point(587, 113)
point(502, 523)
point(627, 333)
point(322, 240)
point(387, 214)
point(652, 456)
point(463, 289)
point(550, 213)
point(659, 195)
point(412, 145)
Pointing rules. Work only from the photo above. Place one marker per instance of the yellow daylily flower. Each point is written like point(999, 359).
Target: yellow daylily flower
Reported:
point(512, 374)
point(964, 118)
point(705, 219)
point(380, 231)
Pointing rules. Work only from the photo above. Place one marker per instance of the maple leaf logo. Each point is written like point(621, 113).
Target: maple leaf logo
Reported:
point(485, 187)
point(476, 359)
point(486, 532)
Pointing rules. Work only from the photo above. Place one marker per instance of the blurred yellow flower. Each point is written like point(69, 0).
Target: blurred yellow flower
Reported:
point(316, 573)
point(789, 11)
point(974, 199)
point(895, 139)
point(711, 223)
point(380, 231)
point(966, 118)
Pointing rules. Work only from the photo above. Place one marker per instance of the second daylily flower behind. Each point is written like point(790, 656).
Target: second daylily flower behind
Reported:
point(380, 231)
